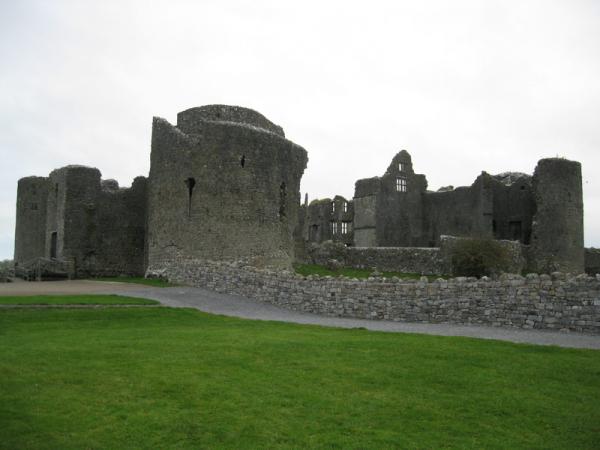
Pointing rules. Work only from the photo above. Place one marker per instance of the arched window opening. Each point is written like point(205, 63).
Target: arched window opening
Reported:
point(282, 200)
point(190, 183)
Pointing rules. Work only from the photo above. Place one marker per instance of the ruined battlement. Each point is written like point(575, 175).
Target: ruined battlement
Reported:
point(191, 120)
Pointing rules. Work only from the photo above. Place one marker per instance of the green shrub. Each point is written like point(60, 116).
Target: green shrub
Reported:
point(479, 257)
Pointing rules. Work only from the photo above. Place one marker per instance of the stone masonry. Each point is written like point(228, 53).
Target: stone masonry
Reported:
point(556, 302)
point(224, 185)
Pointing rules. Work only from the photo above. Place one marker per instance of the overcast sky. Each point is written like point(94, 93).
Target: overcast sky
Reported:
point(464, 86)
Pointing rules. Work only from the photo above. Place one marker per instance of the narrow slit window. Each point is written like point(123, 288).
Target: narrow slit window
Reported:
point(282, 200)
point(332, 206)
point(243, 161)
point(400, 184)
point(190, 183)
point(345, 206)
point(53, 244)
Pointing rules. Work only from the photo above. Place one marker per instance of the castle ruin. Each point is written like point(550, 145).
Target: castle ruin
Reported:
point(543, 212)
point(224, 185)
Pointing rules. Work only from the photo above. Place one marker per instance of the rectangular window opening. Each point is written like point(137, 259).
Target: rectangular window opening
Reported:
point(400, 184)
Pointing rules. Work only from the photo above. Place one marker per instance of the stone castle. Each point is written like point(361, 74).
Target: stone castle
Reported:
point(224, 185)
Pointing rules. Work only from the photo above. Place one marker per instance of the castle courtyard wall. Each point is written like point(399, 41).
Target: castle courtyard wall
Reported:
point(419, 260)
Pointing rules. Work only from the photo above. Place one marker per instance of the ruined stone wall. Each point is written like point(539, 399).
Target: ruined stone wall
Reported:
point(366, 192)
point(464, 211)
point(592, 261)
point(30, 231)
point(388, 210)
point(227, 188)
point(426, 261)
point(330, 220)
point(390, 215)
point(557, 232)
point(513, 209)
point(399, 212)
point(517, 260)
point(96, 227)
point(421, 260)
point(300, 233)
point(500, 206)
point(540, 302)
point(121, 221)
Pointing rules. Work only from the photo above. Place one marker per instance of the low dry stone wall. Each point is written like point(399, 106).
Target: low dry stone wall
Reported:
point(557, 302)
point(592, 260)
point(7, 271)
point(426, 261)
point(422, 260)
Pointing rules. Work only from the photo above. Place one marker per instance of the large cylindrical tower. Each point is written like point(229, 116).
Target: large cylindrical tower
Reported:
point(224, 185)
point(557, 229)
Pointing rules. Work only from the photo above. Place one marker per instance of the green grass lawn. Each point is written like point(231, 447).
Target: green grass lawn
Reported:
point(76, 300)
point(178, 378)
point(138, 280)
point(314, 269)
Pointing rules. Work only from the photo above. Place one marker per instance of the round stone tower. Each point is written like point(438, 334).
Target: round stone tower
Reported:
point(224, 185)
point(30, 232)
point(557, 229)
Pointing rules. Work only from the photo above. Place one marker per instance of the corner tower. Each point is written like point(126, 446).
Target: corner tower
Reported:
point(557, 230)
point(30, 232)
point(224, 185)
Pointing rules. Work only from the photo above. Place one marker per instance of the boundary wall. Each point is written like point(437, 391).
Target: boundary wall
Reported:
point(556, 302)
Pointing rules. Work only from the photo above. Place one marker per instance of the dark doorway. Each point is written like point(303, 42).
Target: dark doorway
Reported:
point(514, 229)
point(53, 244)
point(314, 233)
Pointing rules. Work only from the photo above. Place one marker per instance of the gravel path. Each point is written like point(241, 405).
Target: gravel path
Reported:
point(237, 306)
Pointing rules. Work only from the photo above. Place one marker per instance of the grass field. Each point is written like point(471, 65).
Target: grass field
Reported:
point(76, 300)
point(314, 269)
point(137, 280)
point(178, 378)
